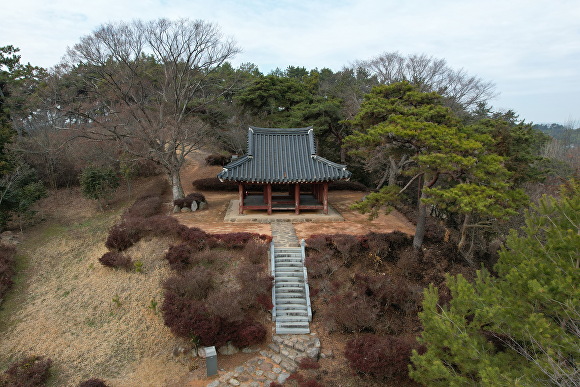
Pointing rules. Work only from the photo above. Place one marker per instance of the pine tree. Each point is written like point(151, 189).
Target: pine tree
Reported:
point(521, 327)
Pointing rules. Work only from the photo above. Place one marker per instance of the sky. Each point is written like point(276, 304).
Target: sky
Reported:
point(530, 49)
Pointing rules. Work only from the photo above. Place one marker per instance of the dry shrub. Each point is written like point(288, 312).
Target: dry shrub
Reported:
point(160, 225)
point(193, 284)
point(387, 246)
point(31, 371)
point(350, 312)
point(144, 207)
point(408, 263)
point(179, 256)
point(123, 235)
point(255, 285)
point(188, 318)
point(238, 240)
point(249, 332)
point(195, 237)
point(321, 264)
point(348, 246)
point(7, 271)
point(209, 257)
point(225, 304)
point(320, 243)
point(94, 382)
point(256, 252)
point(116, 260)
point(380, 356)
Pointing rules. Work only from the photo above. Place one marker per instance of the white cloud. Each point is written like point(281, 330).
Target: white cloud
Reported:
point(528, 47)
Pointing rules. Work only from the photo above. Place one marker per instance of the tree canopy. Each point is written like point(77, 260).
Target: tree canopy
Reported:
point(521, 327)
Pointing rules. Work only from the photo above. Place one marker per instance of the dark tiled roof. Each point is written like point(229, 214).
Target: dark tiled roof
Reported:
point(282, 156)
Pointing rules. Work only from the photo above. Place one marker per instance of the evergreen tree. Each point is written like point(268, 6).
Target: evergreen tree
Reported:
point(521, 327)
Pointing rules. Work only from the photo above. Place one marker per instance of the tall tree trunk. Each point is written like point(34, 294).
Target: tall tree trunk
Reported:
point(463, 238)
point(422, 214)
point(176, 187)
point(421, 222)
point(393, 171)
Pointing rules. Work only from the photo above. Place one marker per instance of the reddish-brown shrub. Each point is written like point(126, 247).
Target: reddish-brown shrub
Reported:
point(249, 332)
point(255, 251)
point(189, 318)
point(320, 243)
point(236, 240)
point(307, 363)
point(217, 159)
point(7, 271)
point(179, 256)
point(160, 225)
point(31, 371)
point(123, 235)
point(321, 264)
point(225, 304)
point(214, 184)
point(351, 312)
point(254, 283)
point(275, 384)
point(195, 237)
point(348, 246)
point(387, 246)
point(408, 262)
point(116, 260)
point(94, 382)
point(192, 284)
point(144, 207)
point(377, 356)
point(210, 256)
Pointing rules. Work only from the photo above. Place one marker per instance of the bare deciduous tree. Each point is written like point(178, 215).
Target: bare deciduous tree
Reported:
point(148, 83)
point(462, 91)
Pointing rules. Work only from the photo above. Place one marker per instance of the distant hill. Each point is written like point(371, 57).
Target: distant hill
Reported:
point(560, 132)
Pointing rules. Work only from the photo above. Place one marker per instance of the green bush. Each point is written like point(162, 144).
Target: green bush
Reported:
point(99, 183)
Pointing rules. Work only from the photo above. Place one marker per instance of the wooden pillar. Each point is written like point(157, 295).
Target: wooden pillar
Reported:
point(297, 198)
point(325, 198)
point(241, 192)
point(265, 193)
point(269, 194)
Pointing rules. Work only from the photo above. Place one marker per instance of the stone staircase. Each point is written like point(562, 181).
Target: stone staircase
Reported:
point(290, 295)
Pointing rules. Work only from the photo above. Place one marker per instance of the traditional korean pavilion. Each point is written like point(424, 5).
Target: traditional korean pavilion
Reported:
point(282, 171)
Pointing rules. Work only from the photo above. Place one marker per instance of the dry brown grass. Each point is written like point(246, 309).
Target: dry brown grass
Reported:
point(64, 308)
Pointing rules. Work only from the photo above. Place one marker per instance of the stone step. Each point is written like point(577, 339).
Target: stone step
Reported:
point(282, 300)
point(294, 295)
point(291, 307)
point(293, 324)
point(290, 290)
point(289, 284)
point(292, 318)
point(289, 274)
point(292, 331)
point(292, 279)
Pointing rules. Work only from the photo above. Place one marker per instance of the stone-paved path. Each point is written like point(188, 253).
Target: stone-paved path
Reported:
point(273, 365)
point(284, 234)
point(285, 352)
